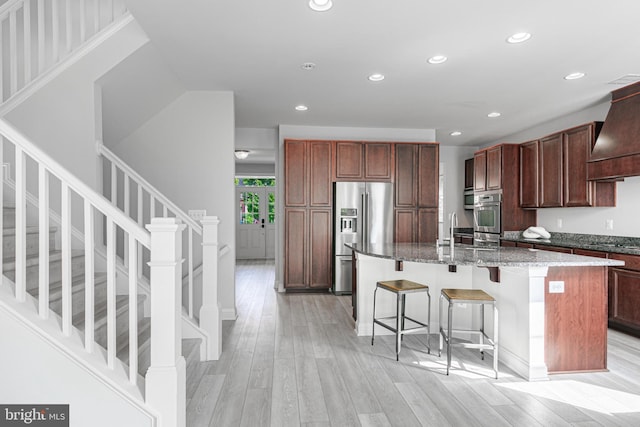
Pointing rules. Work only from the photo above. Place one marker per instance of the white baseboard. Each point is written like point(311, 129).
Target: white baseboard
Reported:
point(229, 314)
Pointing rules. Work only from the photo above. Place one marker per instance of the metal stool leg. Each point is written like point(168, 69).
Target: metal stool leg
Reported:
point(428, 322)
point(495, 339)
point(449, 336)
point(399, 322)
point(373, 327)
point(404, 301)
point(482, 329)
point(440, 325)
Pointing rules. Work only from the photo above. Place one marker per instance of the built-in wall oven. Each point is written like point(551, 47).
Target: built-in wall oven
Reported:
point(487, 224)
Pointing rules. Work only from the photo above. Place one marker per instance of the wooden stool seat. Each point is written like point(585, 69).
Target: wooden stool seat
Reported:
point(401, 288)
point(468, 296)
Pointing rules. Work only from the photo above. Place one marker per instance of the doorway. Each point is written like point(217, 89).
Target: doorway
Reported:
point(255, 213)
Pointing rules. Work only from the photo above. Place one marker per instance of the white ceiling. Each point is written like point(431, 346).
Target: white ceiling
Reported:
point(255, 48)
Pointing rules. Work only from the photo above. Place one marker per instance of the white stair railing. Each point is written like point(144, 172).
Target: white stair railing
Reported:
point(74, 200)
point(37, 35)
point(139, 200)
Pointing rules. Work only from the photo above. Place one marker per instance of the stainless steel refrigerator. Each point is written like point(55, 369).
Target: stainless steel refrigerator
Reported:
point(363, 213)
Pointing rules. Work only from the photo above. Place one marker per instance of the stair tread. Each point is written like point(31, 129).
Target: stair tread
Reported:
point(30, 229)
point(31, 260)
point(77, 284)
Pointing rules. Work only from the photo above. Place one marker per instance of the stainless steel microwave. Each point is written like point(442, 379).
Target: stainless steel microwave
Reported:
point(468, 199)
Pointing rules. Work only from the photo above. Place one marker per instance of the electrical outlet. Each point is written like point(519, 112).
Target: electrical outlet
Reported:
point(559, 223)
point(608, 224)
point(556, 287)
point(197, 214)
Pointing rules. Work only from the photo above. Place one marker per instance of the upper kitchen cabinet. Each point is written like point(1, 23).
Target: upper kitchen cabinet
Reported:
point(553, 171)
point(428, 175)
point(307, 173)
point(349, 161)
point(320, 187)
point(487, 166)
point(406, 192)
point(363, 161)
point(295, 173)
point(377, 161)
point(468, 174)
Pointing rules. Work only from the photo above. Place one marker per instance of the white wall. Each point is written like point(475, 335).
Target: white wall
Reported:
point(61, 117)
point(186, 152)
point(331, 133)
point(587, 220)
point(452, 161)
point(27, 380)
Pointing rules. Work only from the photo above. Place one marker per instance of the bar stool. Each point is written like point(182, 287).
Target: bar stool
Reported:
point(401, 288)
point(468, 296)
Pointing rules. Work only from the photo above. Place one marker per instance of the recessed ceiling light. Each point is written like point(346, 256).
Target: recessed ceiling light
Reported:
point(301, 107)
point(308, 66)
point(574, 76)
point(519, 38)
point(320, 5)
point(438, 59)
point(376, 77)
point(456, 133)
point(494, 114)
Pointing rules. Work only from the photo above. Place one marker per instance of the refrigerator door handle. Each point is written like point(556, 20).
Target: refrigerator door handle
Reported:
point(365, 218)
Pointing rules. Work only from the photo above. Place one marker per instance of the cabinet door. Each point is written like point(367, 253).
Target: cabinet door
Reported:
point(349, 161)
point(480, 171)
point(553, 248)
point(550, 157)
point(577, 148)
point(377, 162)
point(428, 175)
point(295, 173)
point(468, 174)
point(624, 300)
point(494, 168)
point(320, 193)
point(529, 174)
point(427, 225)
point(320, 239)
point(404, 225)
point(405, 185)
point(295, 251)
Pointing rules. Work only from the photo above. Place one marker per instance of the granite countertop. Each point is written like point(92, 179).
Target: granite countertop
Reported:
point(614, 244)
point(483, 256)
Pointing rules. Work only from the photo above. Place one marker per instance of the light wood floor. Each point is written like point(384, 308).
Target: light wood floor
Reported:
point(293, 359)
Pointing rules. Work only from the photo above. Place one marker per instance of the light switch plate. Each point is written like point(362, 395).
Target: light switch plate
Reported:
point(556, 287)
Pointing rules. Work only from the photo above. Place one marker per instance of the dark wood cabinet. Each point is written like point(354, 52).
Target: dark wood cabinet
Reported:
point(468, 174)
point(480, 170)
point(308, 214)
point(553, 248)
point(295, 173)
point(577, 190)
point(416, 193)
point(377, 161)
point(550, 157)
point(406, 168)
point(428, 175)
point(529, 173)
point(349, 161)
point(624, 294)
point(494, 168)
point(553, 171)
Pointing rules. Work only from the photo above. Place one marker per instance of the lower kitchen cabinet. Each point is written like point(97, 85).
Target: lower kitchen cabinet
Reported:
point(308, 240)
point(624, 295)
point(416, 225)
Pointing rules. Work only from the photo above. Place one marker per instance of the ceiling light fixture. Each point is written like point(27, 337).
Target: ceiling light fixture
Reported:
point(241, 154)
point(376, 77)
point(574, 76)
point(301, 107)
point(494, 114)
point(438, 59)
point(320, 5)
point(519, 38)
point(456, 133)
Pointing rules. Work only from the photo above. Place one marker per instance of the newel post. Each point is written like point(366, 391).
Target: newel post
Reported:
point(210, 312)
point(166, 377)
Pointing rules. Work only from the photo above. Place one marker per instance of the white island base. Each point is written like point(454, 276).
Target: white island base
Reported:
point(520, 297)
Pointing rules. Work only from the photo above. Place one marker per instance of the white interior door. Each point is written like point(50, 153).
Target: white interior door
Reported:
point(255, 230)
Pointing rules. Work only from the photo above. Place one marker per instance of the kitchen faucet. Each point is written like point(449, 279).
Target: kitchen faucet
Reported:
point(453, 223)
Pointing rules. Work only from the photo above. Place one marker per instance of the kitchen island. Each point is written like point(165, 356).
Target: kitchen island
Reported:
point(552, 306)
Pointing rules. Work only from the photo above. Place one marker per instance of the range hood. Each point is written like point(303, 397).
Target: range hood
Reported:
point(616, 153)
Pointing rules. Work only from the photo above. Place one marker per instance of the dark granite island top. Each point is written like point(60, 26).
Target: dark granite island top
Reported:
point(479, 256)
